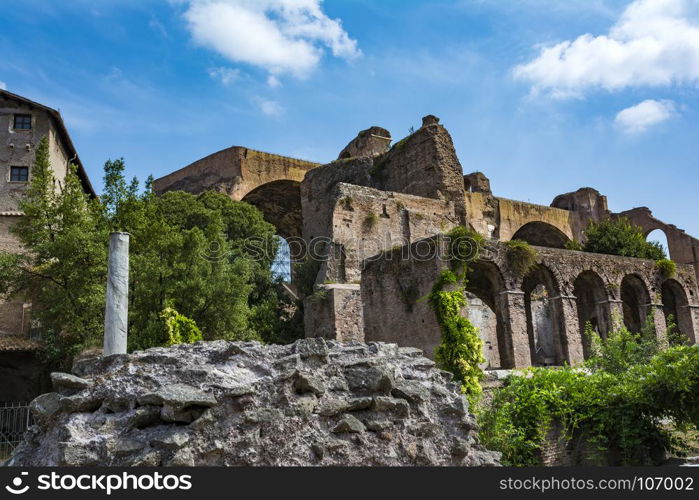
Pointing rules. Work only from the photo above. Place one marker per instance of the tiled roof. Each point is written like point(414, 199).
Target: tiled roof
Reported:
point(12, 213)
point(15, 343)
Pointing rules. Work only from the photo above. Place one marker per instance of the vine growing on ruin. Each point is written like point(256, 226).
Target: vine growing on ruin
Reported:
point(461, 348)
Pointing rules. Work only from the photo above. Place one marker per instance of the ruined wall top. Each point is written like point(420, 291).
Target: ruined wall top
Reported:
point(370, 142)
point(235, 171)
point(586, 200)
point(477, 182)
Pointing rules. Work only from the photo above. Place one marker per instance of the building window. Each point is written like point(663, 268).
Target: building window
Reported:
point(23, 122)
point(19, 174)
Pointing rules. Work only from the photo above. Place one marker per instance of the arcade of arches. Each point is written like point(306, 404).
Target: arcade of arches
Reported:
point(540, 319)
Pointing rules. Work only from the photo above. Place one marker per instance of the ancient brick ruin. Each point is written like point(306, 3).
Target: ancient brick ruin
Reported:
point(376, 217)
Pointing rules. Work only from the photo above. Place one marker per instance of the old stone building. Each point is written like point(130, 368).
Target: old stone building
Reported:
point(375, 219)
point(23, 123)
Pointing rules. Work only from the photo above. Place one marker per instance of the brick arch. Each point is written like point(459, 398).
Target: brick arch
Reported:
point(544, 317)
point(635, 297)
point(235, 171)
point(280, 203)
point(675, 300)
point(683, 248)
point(541, 234)
point(486, 282)
point(592, 301)
point(515, 215)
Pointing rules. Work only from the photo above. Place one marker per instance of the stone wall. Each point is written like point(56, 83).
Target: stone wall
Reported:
point(314, 402)
point(682, 247)
point(364, 221)
point(423, 164)
point(370, 142)
point(334, 312)
point(8, 241)
point(392, 287)
point(15, 316)
point(235, 171)
point(500, 218)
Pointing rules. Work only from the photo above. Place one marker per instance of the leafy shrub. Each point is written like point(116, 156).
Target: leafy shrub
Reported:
point(522, 412)
point(521, 256)
point(622, 348)
point(620, 237)
point(674, 336)
point(617, 403)
point(464, 244)
point(573, 245)
point(179, 329)
point(666, 268)
point(460, 349)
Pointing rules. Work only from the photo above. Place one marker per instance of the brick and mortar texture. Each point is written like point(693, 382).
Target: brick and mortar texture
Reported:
point(357, 214)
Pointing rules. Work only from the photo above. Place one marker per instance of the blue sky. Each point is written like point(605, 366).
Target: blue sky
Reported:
point(544, 96)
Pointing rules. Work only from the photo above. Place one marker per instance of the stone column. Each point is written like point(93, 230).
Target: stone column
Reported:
point(570, 336)
point(616, 313)
point(515, 328)
point(658, 318)
point(117, 303)
point(693, 327)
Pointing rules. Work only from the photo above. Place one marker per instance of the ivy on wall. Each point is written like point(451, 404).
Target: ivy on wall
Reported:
point(461, 348)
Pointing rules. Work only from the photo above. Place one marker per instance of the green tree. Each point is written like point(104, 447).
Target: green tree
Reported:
point(619, 237)
point(204, 256)
point(182, 258)
point(64, 268)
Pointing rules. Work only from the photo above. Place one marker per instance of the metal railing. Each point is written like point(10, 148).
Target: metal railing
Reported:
point(15, 419)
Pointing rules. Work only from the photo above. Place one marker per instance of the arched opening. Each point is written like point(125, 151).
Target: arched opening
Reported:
point(543, 318)
point(281, 265)
point(676, 310)
point(593, 307)
point(659, 236)
point(280, 202)
point(635, 299)
point(541, 234)
point(485, 310)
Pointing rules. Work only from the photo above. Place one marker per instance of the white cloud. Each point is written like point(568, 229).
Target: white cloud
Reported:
point(280, 36)
point(640, 117)
point(273, 81)
point(269, 107)
point(3, 86)
point(225, 75)
point(653, 43)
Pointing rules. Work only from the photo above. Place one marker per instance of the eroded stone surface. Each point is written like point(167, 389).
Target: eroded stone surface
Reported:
point(315, 402)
